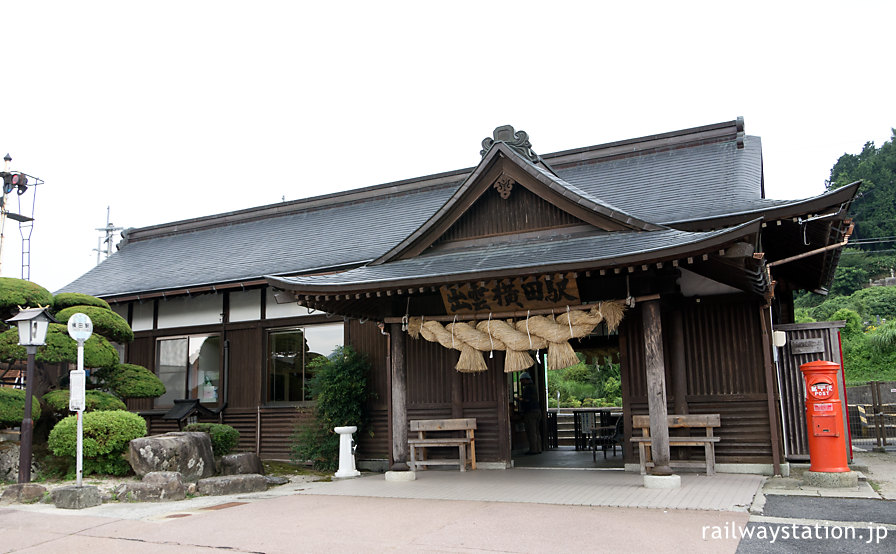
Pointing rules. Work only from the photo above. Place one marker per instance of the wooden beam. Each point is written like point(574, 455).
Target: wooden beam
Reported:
point(656, 387)
point(770, 387)
point(399, 379)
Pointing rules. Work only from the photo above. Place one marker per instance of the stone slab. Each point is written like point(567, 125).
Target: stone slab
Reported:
point(231, 484)
point(831, 480)
point(400, 476)
point(662, 481)
point(76, 498)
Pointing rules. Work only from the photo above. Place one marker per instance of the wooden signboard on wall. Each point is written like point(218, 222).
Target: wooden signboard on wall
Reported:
point(521, 293)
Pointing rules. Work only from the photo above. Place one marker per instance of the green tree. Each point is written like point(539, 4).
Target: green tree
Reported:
point(339, 387)
point(875, 209)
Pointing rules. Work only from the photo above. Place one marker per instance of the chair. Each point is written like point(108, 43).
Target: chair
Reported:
point(607, 436)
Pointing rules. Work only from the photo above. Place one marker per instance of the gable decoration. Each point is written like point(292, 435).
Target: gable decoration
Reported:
point(537, 333)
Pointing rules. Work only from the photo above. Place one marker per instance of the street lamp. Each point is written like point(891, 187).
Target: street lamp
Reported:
point(33, 323)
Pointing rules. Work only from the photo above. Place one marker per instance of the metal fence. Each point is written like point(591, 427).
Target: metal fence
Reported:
point(872, 415)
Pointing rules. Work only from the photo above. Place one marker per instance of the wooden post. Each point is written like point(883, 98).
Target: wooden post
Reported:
point(399, 399)
point(656, 387)
point(770, 387)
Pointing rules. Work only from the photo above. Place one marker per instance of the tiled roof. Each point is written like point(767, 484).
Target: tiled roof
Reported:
point(597, 250)
point(700, 180)
point(675, 185)
point(318, 239)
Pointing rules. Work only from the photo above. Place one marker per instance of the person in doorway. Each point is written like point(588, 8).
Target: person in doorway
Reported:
point(531, 409)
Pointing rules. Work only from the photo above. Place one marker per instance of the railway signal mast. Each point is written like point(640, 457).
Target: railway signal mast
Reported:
point(20, 183)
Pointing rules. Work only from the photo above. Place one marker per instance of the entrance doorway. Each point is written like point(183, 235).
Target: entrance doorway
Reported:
point(582, 412)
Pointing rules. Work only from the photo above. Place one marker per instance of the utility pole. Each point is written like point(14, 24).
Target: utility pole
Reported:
point(109, 231)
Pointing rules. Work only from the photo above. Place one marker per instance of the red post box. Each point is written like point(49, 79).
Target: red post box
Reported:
point(824, 417)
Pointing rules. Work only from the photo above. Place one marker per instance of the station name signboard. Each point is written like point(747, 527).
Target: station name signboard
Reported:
point(521, 293)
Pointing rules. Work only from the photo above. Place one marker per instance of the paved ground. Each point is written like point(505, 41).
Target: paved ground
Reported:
point(518, 510)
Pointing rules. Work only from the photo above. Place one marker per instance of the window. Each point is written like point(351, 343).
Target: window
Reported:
point(290, 351)
point(190, 367)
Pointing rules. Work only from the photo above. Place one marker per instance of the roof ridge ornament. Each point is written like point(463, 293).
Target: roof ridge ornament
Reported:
point(517, 140)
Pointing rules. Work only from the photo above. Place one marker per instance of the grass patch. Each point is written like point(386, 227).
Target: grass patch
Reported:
point(285, 469)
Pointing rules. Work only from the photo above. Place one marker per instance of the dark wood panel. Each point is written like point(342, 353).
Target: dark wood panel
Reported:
point(492, 215)
point(247, 352)
point(367, 339)
point(430, 370)
point(745, 432)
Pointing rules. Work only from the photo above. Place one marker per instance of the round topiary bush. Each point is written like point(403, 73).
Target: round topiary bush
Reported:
point(105, 322)
point(224, 437)
point(65, 300)
point(12, 407)
point(60, 348)
point(106, 438)
point(18, 292)
point(94, 401)
point(131, 381)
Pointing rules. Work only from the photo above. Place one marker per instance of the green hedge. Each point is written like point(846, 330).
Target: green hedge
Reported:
point(105, 322)
point(60, 348)
point(65, 300)
point(131, 381)
point(12, 407)
point(105, 441)
point(224, 437)
point(18, 292)
point(94, 401)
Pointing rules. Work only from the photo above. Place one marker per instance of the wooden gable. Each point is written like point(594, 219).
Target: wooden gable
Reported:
point(505, 209)
point(511, 193)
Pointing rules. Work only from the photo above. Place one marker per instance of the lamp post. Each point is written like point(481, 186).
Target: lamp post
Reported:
point(32, 323)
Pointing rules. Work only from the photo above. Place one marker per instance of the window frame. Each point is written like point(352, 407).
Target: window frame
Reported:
point(187, 369)
point(268, 362)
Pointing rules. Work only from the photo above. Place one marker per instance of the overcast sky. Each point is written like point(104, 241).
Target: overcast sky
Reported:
point(171, 110)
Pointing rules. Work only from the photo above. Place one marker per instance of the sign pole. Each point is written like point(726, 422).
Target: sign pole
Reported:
point(80, 327)
point(79, 448)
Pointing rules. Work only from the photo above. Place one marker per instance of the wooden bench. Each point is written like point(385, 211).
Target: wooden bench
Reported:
point(708, 422)
point(445, 436)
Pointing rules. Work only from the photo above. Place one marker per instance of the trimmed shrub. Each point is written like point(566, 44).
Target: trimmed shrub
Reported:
point(94, 401)
point(18, 292)
point(339, 387)
point(60, 348)
point(131, 381)
point(65, 300)
point(12, 407)
point(106, 438)
point(224, 437)
point(105, 322)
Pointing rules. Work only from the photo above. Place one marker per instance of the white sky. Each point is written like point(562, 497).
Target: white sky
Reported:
point(171, 110)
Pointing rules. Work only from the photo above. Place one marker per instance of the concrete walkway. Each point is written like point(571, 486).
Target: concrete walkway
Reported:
point(726, 492)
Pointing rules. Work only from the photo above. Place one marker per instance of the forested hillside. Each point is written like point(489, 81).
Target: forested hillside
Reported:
point(869, 339)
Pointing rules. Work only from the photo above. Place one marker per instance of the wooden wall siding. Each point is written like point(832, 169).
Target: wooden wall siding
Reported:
point(725, 372)
point(277, 426)
point(482, 387)
point(430, 369)
point(375, 446)
point(492, 215)
point(744, 431)
point(793, 385)
point(247, 365)
point(723, 348)
point(368, 340)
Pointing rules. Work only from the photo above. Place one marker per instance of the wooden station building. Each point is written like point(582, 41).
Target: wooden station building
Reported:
point(676, 226)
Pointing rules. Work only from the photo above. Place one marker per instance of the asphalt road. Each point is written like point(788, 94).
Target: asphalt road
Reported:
point(797, 524)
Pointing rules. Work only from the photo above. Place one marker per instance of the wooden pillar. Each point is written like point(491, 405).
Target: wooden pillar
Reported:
point(656, 387)
point(770, 386)
point(399, 379)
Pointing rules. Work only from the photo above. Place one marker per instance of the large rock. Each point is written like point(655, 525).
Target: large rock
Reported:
point(189, 454)
point(156, 486)
point(76, 498)
point(9, 462)
point(244, 463)
point(24, 493)
point(231, 484)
